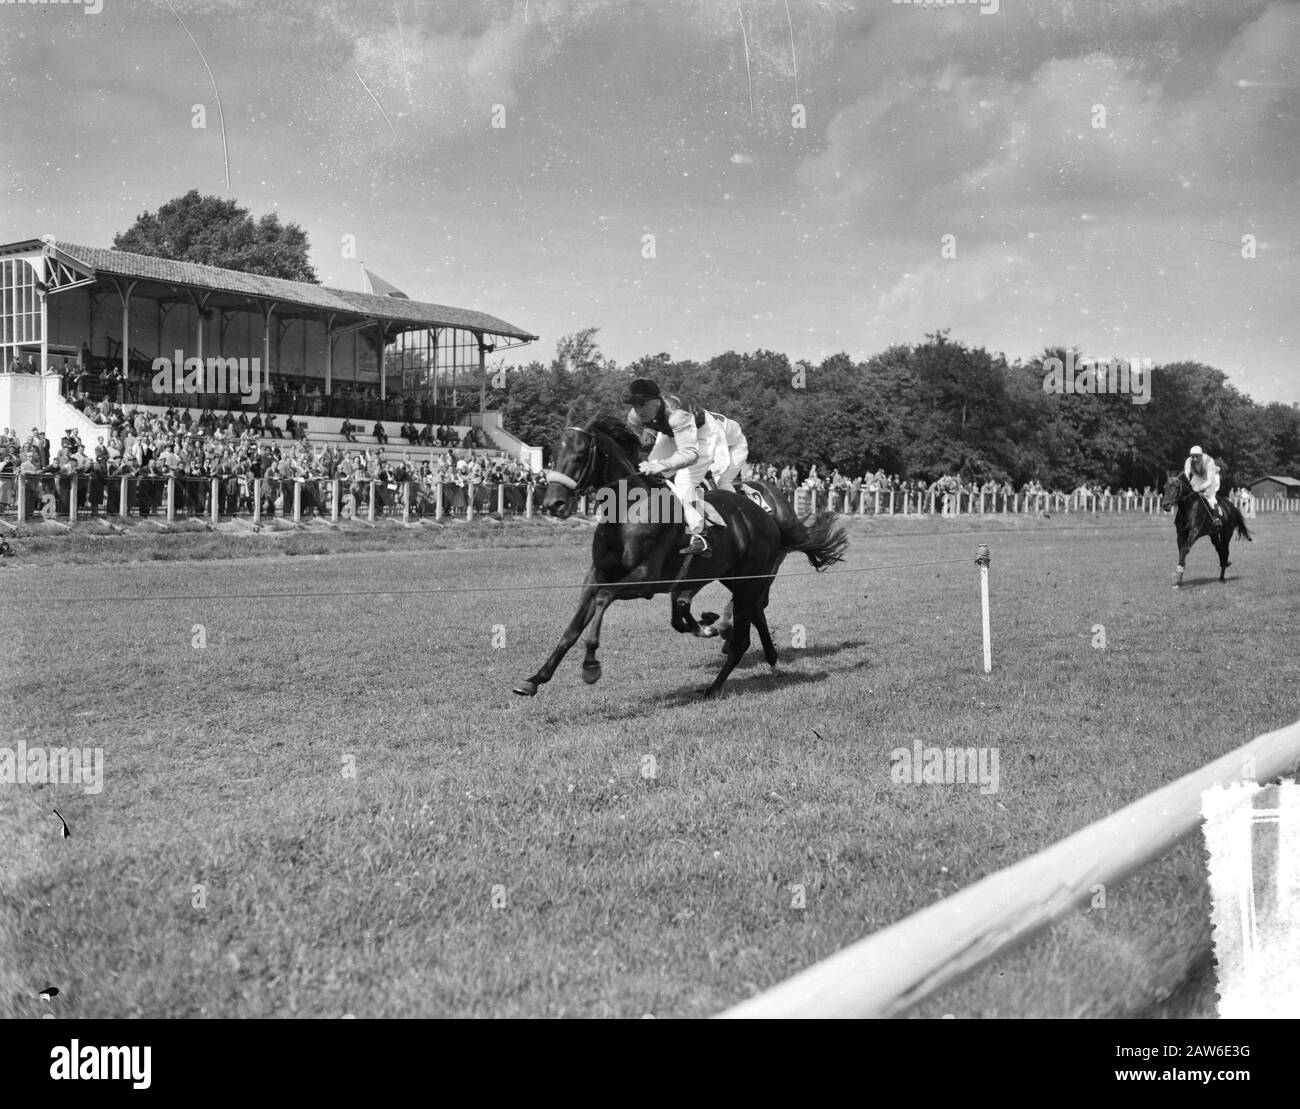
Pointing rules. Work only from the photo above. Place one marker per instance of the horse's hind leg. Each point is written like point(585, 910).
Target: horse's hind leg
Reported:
point(1221, 545)
point(764, 634)
point(737, 645)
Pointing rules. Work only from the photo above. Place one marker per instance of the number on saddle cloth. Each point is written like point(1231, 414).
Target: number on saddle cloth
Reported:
point(756, 495)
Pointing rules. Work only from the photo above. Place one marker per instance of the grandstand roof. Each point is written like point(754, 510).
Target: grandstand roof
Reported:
point(99, 262)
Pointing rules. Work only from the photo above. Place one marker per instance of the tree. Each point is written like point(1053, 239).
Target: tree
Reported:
point(216, 232)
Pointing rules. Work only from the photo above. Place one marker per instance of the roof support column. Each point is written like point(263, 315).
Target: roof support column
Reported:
point(329, 353)
point(383, 378)
point(200, 306)
point(267, 313)
point(482, 376)
point(125, 291)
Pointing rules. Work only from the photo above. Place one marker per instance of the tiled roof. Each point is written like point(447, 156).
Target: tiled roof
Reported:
point(1280, 480)
point(120, 263)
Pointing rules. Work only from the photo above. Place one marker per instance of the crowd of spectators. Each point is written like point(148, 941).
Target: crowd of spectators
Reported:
point(153, 447)
point(843, 493)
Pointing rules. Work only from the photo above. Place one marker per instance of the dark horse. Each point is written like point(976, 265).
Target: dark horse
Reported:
point(634, 552)
point(1193, 520)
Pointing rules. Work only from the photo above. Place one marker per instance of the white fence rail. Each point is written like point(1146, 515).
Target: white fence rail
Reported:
point(894, 969)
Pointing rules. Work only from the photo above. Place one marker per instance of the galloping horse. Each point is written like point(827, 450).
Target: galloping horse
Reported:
point(1193, 520)
point(634, 552)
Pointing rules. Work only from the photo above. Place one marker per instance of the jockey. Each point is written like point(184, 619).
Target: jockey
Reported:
point(684, 447)
point(730, 452)
point(1203, 475)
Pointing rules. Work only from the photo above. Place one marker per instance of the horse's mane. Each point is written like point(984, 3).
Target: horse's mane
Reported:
point(618, 431)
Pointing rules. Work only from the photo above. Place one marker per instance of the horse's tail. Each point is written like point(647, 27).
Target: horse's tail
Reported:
point(1242, 530)
point(822, 541)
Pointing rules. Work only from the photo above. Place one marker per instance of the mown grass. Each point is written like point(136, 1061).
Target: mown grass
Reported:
point(494, 856)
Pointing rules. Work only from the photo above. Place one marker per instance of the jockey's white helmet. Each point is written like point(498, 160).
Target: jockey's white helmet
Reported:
point(1197, 450)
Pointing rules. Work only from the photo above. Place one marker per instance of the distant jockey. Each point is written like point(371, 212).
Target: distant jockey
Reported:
point(1203, 475)
point(686, 442)
point(730, 453)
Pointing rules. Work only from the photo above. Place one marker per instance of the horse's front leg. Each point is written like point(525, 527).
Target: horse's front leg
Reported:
point(1184, 545)
point(590, 665)
point(605, 596)
point(581, 618)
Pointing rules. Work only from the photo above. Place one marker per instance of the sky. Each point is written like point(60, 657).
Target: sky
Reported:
point(1119, 176)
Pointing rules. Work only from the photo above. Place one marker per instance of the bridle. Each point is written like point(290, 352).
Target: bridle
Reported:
point(1186, 491)
point(584, 478)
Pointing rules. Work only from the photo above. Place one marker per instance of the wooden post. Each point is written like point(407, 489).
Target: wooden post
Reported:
point(814, 501)
point(437, 501)
point(469, 501)
point(983, 560)
point(875, 509)
point(501, 499)
point(216, 500)
point(21, 494)
point(891, 500)
point(171, 498)
point(370, 514)
point(406, 503)
point(257, 501)
point(297, 501)
point(123, 500)
point(336, 497)
point(528, 501)
point(72, 498)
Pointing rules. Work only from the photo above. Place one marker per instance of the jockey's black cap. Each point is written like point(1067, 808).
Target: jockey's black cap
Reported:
point(641, 389)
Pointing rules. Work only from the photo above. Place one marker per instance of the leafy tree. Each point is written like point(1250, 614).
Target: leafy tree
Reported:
point(217, 232)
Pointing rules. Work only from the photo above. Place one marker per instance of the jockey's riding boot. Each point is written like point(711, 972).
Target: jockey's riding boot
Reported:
point(697, 546)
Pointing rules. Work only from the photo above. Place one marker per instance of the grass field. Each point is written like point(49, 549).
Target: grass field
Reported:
point(337, 805)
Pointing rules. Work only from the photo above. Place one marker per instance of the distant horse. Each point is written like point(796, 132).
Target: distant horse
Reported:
point(634, 552)
point(1193, 520)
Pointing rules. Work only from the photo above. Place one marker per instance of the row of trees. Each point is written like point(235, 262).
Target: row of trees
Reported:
point(918, 411)
point(924, 410)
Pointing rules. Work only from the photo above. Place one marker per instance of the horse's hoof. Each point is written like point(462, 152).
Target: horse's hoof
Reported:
point(591, 674)
point(708, 692)
point(707, 632)
point(526, 689)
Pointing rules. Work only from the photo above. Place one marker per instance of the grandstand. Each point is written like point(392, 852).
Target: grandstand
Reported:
point(86, 320)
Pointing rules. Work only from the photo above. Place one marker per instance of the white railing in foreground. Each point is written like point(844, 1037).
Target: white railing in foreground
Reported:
point(887, 973)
